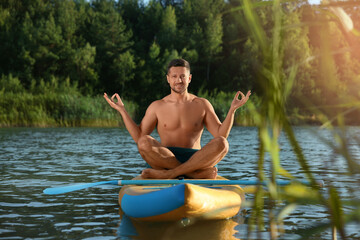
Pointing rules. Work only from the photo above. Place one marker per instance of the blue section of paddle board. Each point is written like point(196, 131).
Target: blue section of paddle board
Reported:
point(153, 203)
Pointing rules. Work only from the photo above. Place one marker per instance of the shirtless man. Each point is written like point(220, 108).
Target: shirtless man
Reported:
point(180, 118)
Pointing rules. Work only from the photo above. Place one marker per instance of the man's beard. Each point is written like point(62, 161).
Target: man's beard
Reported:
point(178, 91)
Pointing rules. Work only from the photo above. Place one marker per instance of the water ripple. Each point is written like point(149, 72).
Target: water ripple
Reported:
point(33, 159)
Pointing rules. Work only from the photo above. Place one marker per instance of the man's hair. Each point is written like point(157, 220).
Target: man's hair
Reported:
point(178, 63)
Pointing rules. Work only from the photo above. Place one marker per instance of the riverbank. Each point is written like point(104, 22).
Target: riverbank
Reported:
point(58, 110)
point(52, 109)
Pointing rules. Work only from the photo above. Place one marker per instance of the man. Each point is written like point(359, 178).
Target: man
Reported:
point(180, 118)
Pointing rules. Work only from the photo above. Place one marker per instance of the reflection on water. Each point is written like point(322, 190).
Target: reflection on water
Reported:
point(33, 159)
point(185, 229)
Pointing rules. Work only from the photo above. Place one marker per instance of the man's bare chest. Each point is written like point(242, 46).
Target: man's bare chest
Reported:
point(188, 117)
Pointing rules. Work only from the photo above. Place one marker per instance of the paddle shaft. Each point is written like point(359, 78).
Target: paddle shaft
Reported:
point(71, 188)
point(206, 182)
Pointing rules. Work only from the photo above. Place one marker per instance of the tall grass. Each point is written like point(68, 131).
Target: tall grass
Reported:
point(53, 105)
point(271, 119)
point(60, 104)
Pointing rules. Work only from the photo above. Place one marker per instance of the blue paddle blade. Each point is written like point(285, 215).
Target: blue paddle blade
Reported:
point(71, 188)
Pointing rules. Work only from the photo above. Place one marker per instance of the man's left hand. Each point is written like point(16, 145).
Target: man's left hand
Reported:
point(236, 103)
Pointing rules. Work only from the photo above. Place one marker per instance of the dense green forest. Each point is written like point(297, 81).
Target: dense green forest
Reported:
point(59, 56)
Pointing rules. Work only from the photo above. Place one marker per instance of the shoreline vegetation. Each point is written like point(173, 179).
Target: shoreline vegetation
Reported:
point(71, 109)
point(61, 104)
point(54, 104)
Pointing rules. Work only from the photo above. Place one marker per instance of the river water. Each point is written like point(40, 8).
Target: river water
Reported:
point(33, 159)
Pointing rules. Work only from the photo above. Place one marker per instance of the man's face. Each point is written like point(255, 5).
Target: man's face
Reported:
point(178, 79)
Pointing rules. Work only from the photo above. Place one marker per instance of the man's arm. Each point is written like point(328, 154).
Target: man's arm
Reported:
point(212, 122)
point(147, 124)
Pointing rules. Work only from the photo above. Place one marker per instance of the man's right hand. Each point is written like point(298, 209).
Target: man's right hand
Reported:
point(119, 105)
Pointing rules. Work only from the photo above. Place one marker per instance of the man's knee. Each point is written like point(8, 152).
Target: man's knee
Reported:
point(145, 143)
point(222, 144)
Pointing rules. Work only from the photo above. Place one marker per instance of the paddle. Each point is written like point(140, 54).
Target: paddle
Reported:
point(71, 188)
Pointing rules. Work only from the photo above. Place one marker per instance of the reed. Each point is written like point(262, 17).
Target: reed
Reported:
point(57, 110)
point(271, 118)
point(54, 105)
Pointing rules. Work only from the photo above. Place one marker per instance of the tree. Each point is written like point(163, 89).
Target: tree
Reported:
point(40, 43)
point(109, 34)
point(298, 56)
point(168, 29)
point(239, 53)
point(201, 30)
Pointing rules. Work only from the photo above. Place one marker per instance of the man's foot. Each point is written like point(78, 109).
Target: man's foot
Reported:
point(208, 173)
point(155, 173)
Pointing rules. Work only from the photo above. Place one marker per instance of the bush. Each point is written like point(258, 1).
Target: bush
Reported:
point(10, 84)
point(53, 104)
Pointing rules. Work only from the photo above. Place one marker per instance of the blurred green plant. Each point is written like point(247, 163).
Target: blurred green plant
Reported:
point(271, 118)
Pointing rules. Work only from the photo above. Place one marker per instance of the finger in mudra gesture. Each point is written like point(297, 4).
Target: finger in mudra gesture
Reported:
point(114, 104)
point(236, 103)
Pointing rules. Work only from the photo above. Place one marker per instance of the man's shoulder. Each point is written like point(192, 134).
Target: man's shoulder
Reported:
point(155, 105)
point(200, 100)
